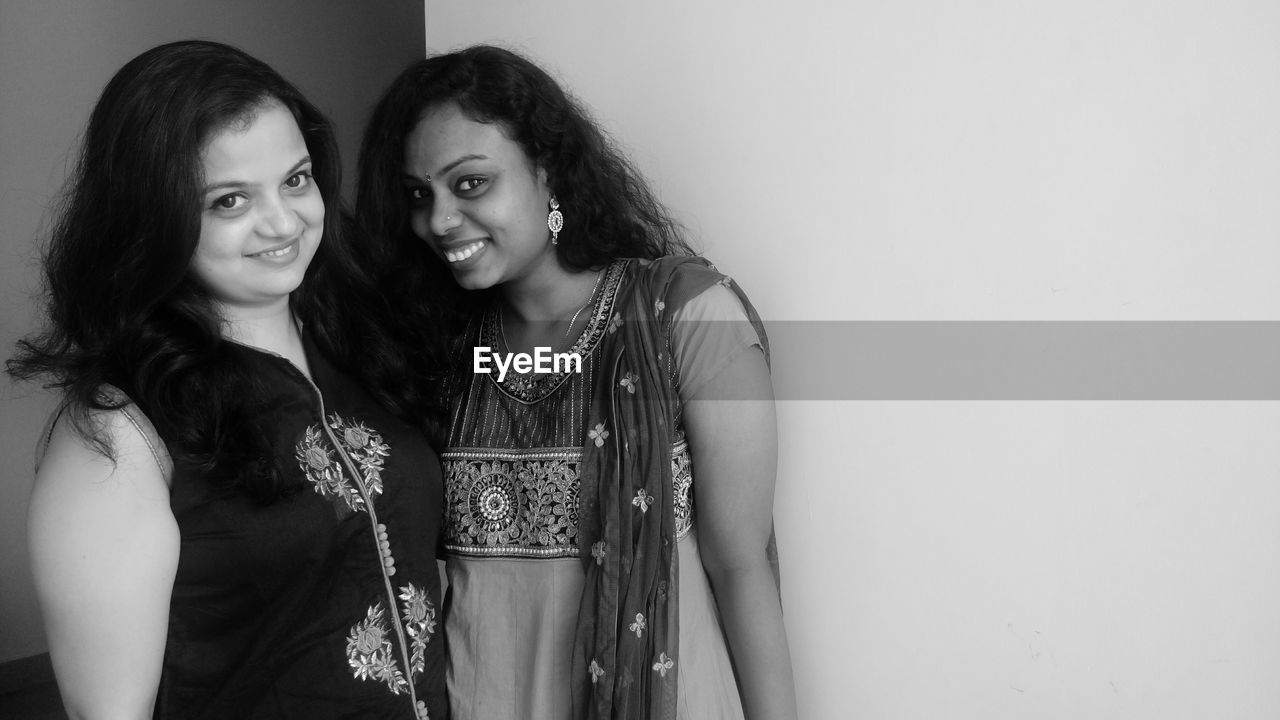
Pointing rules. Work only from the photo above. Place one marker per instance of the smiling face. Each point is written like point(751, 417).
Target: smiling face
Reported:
point(263, 215)
point(477, 200)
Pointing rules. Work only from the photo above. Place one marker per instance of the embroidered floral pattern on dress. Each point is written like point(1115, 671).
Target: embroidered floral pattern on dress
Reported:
point(597, 552)
point(596, 671)
point(320, 462)
point(419, 624)
point(366, 448)
point(370, 652)
point(682, 488)
point(324, 470)
point(512, 504)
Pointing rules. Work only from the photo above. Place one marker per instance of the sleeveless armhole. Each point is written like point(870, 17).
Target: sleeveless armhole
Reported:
point(46, 433)
point(708, 333)
point(135, 417)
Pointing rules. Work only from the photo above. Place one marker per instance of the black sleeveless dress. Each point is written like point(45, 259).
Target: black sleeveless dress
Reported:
point(324, 604)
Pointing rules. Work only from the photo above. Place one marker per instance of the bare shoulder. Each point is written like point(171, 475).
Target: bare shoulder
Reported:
point(135, 448)
point(75, 477)
point(104, 553)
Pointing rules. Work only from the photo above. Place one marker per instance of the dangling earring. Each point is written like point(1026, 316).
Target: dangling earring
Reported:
point(555, 220)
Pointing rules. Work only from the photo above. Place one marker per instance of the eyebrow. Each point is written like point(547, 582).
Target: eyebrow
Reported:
point(236, 184)
point(444, 170)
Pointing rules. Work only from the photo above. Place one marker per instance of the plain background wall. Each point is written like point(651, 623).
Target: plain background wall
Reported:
point(930, 160)
point(55, 58)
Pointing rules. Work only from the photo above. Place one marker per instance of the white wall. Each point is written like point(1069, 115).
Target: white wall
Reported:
point(932, 160)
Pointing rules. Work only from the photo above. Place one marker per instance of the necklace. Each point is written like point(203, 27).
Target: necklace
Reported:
point(502, 317)
point(590, 301)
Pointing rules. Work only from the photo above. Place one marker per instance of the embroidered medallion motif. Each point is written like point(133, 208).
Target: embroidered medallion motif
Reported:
point(370, 653)
point(512, 504)
point(326, 472)
point(525, 504)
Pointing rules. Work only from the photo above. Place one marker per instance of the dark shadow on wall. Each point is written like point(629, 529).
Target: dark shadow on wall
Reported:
point(28, 690)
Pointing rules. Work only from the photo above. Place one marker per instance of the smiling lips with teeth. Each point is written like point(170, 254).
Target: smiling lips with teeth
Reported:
point(462, 253)
point(281, 252)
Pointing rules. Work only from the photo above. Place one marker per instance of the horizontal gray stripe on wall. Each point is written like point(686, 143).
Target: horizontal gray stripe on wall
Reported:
point(1016, 360)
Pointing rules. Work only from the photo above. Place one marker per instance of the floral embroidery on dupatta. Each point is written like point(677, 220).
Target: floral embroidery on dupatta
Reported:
point(628, 382)
point(643, 500)
point(664, 664)
point(631, 587)
point(598, 434)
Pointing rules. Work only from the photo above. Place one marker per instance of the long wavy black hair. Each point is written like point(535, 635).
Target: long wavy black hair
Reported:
point(124, 308)
point(609, 210)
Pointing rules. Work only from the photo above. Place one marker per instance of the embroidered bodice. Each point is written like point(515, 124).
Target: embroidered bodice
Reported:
point(512, 465)
point(325, 603)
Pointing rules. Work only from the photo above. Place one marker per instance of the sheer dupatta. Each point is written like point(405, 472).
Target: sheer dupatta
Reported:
point(627, 642)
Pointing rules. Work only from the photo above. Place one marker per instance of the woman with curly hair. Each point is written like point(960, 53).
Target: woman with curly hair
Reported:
point(608, 533)
point(236, 509)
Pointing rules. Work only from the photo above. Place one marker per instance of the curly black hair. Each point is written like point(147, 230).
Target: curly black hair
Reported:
point(609, 210)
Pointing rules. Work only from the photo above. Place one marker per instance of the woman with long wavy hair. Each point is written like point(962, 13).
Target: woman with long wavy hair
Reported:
point(236, 509)
point(608, 533)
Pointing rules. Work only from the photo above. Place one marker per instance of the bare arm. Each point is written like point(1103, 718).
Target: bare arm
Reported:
point(104, 551)
point(734, 449)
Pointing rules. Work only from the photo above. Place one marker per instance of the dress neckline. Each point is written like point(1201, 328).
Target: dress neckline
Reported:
point(532, 387)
